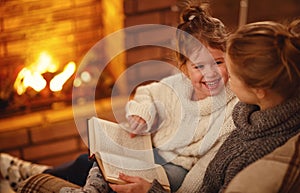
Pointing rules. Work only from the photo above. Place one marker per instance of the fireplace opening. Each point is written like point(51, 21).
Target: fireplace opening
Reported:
point(41, 46)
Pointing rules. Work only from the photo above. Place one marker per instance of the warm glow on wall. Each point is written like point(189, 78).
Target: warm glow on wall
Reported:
point(113, 20)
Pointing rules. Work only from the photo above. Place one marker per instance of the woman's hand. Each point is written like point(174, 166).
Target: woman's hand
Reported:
point(137, 125)
point(134, 185)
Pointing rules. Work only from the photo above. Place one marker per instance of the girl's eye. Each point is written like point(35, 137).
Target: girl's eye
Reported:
point(199, 66)
point(219, 62)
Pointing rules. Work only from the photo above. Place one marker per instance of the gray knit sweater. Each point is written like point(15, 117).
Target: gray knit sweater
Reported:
point(258, 133)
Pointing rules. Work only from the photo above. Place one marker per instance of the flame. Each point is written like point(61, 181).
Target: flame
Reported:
point(45, 64)
point(27, 78)
point(31, 76)
point(59, 80)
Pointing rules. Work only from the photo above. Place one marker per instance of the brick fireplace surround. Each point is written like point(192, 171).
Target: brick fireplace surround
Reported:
point(50, 136)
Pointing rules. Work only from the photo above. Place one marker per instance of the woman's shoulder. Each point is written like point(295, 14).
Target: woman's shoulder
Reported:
point(275, 171)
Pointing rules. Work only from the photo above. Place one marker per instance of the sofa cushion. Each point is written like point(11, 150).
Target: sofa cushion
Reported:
point(276, 172)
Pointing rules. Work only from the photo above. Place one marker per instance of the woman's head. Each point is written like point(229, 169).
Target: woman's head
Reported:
point(266, 55)
point(202, 57)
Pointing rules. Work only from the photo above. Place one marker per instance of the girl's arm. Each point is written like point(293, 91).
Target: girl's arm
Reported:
point(141, 110)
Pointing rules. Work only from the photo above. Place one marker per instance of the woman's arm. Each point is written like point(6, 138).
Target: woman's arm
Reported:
point(137, 185)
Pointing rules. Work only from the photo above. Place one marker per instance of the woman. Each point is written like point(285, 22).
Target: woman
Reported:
point(263, 61)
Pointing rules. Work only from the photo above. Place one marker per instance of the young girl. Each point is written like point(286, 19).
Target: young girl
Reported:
point(189, 113)
point(263, 61)
point(189, 104)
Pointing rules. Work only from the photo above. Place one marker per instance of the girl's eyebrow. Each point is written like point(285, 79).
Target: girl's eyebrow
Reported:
point(193, 65)
point(219, 58)
point(197, 64)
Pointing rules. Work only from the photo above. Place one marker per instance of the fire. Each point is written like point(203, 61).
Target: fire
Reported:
point(59, 80)
point(31, 76)
point(27, 78)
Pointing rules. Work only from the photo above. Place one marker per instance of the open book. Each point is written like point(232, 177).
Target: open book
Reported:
point(116, 152)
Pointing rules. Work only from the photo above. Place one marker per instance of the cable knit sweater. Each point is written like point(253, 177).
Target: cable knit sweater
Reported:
point(258, 133)
point(188, 130)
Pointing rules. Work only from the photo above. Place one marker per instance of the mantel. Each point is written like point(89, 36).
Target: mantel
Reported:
point(103, 108)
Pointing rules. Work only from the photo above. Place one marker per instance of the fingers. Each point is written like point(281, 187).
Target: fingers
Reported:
point(137, 125)
point(129, 179)
point(134, 185)
point(132, 135)
point(128, 187)
point(140, 128)
point(119, 188)
point(133, 121)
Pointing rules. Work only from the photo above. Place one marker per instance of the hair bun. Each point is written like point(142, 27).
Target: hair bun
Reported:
point(294, 29)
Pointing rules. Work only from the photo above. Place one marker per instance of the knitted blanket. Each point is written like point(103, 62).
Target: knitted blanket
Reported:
point(43, 183)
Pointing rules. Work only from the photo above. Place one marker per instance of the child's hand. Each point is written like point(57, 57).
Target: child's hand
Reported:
point(137, 125)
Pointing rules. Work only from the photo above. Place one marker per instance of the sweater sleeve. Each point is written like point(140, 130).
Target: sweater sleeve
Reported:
point(143, 104)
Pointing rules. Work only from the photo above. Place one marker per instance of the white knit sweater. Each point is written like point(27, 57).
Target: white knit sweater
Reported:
point(188, 130)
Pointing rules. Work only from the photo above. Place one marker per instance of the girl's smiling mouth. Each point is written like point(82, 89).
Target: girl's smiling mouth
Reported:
point(212, 84)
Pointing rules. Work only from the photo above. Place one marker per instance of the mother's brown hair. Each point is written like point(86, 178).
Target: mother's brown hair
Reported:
point(267, 55)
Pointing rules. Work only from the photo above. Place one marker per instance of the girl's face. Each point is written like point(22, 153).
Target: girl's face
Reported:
point(207, 72)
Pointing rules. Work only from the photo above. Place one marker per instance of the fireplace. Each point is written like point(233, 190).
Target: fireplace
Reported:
point(57, 35)
point(41, 46)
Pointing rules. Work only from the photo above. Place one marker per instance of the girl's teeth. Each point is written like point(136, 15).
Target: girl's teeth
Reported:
point(212, 84)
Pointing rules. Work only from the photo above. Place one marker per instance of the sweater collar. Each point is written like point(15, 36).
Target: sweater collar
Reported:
point(281, 119)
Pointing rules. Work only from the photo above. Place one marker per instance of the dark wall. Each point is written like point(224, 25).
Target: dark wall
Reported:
point(258, 10)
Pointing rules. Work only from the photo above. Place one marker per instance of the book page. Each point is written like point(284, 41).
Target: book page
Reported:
point(153, 171)
point(108, 137)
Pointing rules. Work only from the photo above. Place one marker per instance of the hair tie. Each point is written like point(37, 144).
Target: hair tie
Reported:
point(192, 17)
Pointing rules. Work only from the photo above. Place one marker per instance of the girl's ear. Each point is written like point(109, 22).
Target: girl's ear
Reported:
point(260, 93)
point(183, 69)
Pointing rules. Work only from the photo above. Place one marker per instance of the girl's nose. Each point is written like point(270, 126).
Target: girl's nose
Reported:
point(210, 71)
